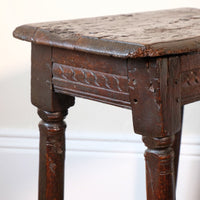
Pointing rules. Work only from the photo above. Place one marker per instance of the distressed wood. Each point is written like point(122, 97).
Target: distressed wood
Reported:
point(103, 87)
point(190, 78)
point(132, 35)
point(144, 90)
point(147, 62)
point(190, 61)
point(42, 94)
point(52, 155)
point(91, 76)
point(171, 95)
point(155, 95)
point(160, 173)
point(176, 148)
point(52, 110)
point(90, 61)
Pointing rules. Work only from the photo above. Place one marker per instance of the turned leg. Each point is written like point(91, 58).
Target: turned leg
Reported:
point(52, 154)
point(176, 147)
point(52, 109)
point(155, 96)
point(160, 174)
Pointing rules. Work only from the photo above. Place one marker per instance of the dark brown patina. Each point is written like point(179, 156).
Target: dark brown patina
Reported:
point(147, 62)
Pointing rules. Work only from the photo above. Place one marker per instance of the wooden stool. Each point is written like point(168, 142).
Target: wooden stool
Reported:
point(147, 62)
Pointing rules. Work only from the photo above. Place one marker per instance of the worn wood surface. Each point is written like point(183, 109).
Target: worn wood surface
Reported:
point(52, 155)
point(176, 147)
point(155, 95)
point(190, 78)
point(160, 173)
point(131, 35)
point(96, 77)
point(144, 93)
point(147, 62)
point(42, 94)
point(52, 109)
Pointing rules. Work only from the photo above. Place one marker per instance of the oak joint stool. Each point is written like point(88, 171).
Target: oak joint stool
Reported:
point(147, 62)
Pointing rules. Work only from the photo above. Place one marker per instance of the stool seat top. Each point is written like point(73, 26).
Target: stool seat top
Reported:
point(147, 34)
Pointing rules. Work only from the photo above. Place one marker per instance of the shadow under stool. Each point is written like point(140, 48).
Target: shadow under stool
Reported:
point(146, 62)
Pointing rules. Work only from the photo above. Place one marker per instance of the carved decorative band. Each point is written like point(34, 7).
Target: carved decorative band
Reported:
point(191, 78)
point(190, 81)
point(90, 78)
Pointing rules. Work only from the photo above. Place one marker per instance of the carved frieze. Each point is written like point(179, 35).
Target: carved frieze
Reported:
point(190, 78)
point(190, 82)
point(103, 86)
point(90, 77)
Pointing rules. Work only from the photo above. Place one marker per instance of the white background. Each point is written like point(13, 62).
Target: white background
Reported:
point(104, 157)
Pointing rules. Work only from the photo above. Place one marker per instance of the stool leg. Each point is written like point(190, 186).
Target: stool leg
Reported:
point(52, 110)
point(52, 154)
point(155, 95)
point(176, 147)
point(160, 175)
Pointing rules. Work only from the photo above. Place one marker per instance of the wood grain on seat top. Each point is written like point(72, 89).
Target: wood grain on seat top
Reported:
point(131, 35)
